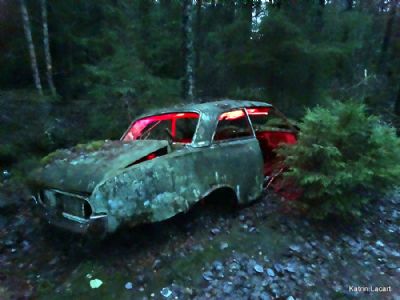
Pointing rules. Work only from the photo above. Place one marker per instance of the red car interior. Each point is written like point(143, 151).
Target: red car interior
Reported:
point(270, 139)
point(183, 134)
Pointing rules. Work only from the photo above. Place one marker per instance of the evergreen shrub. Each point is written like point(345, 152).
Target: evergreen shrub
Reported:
point(344, 158)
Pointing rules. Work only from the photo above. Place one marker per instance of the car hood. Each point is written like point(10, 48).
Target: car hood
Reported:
point(81, 168)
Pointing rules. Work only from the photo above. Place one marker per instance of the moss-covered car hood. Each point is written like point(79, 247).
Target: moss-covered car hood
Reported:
point(81, 168)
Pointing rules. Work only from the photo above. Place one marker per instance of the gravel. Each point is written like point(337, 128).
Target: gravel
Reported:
point(216, 257)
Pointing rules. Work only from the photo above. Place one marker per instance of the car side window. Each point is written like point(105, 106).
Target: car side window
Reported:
point(185, 129)
point(266, 119)
point(233, 125)
point(181, 126)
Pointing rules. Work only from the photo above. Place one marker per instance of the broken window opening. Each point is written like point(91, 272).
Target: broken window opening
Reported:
point(233, 125)
point(271, 130)
point(182, 127)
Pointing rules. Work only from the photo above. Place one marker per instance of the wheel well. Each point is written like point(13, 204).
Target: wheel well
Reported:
point(223, 195)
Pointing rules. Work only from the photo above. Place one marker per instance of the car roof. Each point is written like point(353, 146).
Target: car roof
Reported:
point(209, 112)
point(213, 107)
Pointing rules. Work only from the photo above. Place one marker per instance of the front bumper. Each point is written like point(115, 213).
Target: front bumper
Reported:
point(96, 224)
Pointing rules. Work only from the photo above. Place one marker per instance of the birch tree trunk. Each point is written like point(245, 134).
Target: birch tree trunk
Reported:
point(46, 47)
point(188, 84)
point(31, 47)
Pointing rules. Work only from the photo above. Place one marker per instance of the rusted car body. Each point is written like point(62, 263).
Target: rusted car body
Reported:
point(165, 162)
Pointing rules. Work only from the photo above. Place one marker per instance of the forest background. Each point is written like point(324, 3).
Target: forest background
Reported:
point(74, 70)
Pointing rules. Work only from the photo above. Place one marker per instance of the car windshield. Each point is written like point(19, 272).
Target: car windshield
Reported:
point(180, 127)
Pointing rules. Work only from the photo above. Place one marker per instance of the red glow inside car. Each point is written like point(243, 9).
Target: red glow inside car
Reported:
point(180, 126)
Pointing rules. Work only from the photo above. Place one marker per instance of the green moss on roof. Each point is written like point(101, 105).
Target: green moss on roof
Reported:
point(78, 149)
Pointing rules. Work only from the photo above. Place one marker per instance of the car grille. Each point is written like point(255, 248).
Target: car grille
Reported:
point(61, 202)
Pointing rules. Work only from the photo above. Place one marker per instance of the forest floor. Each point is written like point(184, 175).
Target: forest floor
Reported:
point(262, 251)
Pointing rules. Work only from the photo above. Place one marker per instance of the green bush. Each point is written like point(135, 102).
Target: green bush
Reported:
point(343, 159)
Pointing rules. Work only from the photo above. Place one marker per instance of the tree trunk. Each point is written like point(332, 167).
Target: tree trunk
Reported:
point(248, 12)
point(46, 46)
point(257, 7)
point(277, 3)
point(320, 14)
point(145, 8)
point(198, 37)
point(31, 46)
point(188, 83)
point(397, 104)
point(388, 34)
point(349, 5)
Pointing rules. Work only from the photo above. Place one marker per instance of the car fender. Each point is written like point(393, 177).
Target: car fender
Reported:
point(160, 188)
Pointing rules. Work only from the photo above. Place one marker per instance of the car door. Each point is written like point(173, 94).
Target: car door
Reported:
point(235, 155)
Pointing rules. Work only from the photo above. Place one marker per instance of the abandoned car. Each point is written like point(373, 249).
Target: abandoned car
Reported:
point(166, 161)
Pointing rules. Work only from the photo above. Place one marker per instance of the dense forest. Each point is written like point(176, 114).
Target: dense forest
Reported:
point(74, 71)
point(97, 64)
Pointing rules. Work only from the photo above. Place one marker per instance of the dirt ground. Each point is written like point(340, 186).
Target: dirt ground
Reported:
point(262, 251)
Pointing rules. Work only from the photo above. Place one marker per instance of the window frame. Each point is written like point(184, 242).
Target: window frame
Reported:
point(172, 120)
point(274, 111)
point(230, 140)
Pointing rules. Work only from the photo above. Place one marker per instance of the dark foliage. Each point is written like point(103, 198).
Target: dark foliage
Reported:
point(112, 59)
point(343, 159)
